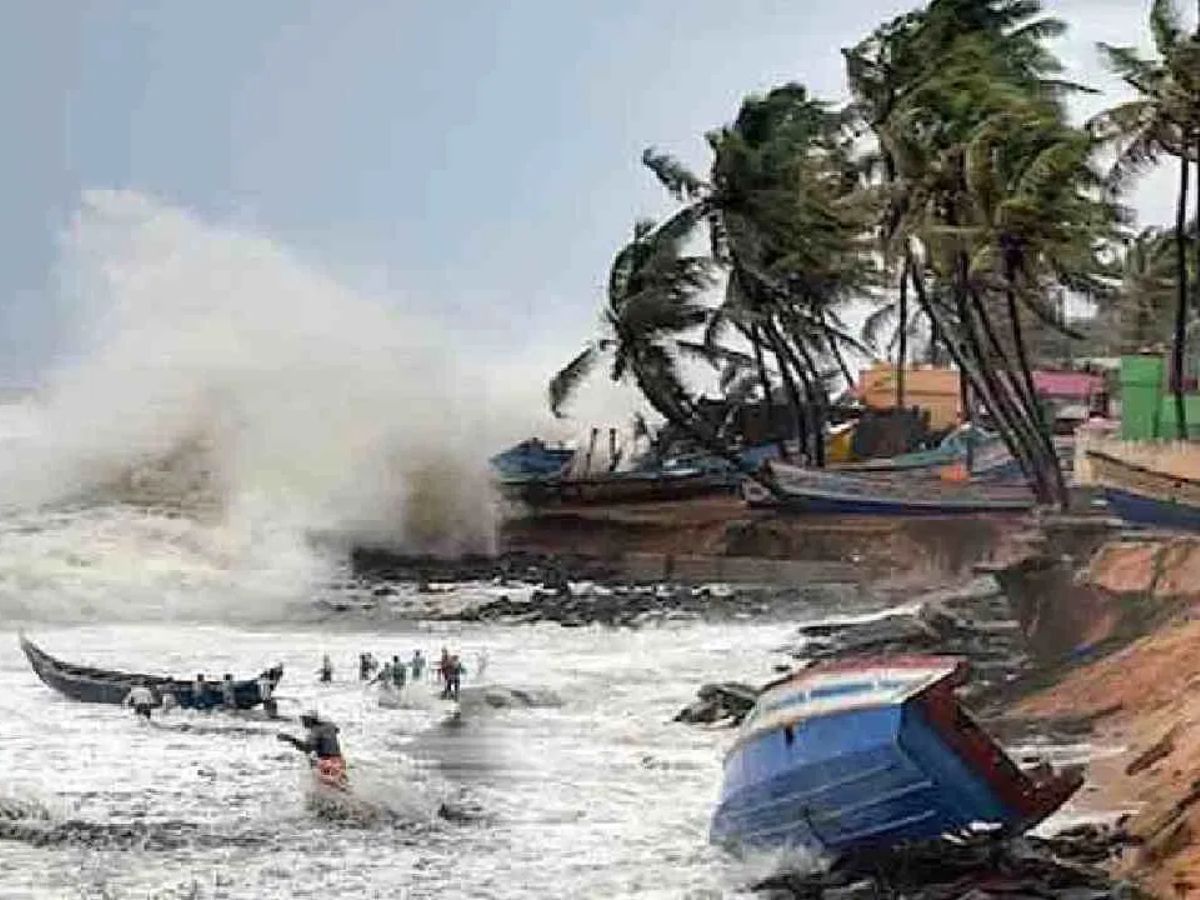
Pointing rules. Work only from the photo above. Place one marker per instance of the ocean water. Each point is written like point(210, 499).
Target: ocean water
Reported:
point(590, 792)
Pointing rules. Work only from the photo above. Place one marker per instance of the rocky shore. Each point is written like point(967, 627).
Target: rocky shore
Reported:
point(1086, 639)
point(528, 588)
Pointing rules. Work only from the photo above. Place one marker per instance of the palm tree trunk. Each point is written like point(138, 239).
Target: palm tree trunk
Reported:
point(808, 424)
point(1180, 343)
point(789, 387)
point(959, 356)
point(820, 407)
point(1031, 398)
point(667, 403)
point(902, 349)
point(1008, 391)
point(764, 380)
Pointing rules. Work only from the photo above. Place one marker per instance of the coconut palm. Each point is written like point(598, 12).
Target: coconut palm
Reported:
point(653, 286)
point(1164, 119)
point(925, 85)
point(783, 224)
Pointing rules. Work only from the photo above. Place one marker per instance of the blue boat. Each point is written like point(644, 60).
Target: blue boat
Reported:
point(901, 494)
point(871, 754)
point(1142, 496)
point(531, 459)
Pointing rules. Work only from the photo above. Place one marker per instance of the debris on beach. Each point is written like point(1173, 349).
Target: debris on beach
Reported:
point(979, 868)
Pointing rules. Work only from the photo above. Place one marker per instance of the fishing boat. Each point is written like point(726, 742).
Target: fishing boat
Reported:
point(822, 492)
point(869, 754)
point(531, 459)
point(93, 685)
point(1144, 496)
point(621, 487)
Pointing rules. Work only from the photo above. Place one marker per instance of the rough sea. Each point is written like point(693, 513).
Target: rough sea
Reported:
point(588, 791)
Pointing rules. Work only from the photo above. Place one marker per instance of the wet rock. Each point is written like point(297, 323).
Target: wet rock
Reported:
point(728, 701)
point(978, 867)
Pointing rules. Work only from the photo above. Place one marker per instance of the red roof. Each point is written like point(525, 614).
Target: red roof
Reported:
point(1075, 385)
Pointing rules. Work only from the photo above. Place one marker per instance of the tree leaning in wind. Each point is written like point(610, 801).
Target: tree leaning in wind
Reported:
point(1164, 118)
point(949, 93)
point(783, 229)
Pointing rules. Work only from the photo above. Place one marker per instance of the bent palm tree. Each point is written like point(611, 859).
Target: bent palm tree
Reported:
point(1163, 119)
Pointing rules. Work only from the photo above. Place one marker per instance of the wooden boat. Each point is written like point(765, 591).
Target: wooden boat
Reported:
point(92, 685)
point(869, 754)
point(1144, 496)
point(822, 492)
point(531, 459)
point(621, 487)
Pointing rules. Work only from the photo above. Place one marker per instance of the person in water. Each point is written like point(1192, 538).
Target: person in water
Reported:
point(200, 692)
point(418, 665)
point(326, 670)
point(228, 692)
point(443, 669)
point(321, 743)
point(367, 666)
point(385, 675)
point(399, 673)
point(453, 675)
point(266, 687)
point(141, 698)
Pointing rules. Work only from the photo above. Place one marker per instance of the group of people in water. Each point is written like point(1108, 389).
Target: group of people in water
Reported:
point(147, 695)
point(395, 674)
point(320, 739)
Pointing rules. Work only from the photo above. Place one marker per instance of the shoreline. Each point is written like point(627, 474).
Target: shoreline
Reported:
point(1085, 633)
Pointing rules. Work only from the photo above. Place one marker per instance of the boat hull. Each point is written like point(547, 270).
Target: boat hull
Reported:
point(92, 685)
point(825, 493)
point(1139, 509)
point(868, 756)
point(1142, 496)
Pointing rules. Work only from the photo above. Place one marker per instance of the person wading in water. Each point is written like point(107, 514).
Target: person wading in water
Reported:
point(141, 698)
point(321, 742)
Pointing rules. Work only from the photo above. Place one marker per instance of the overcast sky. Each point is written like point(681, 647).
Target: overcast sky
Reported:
point(478, 159)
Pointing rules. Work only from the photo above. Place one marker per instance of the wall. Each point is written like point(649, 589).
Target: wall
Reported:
point(1178, 458)
point(933, 390)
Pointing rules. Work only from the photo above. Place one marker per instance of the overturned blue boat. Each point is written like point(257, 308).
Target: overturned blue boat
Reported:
point(871, 754)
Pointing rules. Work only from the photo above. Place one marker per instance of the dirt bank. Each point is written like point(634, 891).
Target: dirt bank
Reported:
point(928, 551)
point(1145, 703)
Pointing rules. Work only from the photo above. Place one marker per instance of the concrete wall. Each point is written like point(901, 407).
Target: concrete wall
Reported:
point(1178, 458)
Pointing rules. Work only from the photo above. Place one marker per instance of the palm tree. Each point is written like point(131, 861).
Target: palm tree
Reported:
point(1163, 119)
point(653, 304)
point(784, 225)
point(1140, 312)
point(961, 64)
point(653, 286)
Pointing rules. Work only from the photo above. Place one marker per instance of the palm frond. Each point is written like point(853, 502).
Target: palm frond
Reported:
point(566, 381)
point(673, 174)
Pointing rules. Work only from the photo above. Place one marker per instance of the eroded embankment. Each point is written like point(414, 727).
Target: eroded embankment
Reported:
point(1143, 700)
point(665, 540)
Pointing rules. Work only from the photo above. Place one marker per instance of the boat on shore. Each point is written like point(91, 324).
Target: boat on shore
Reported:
point(869, 754)
point(816, 491)
point(93, 685)
point(1142, 496)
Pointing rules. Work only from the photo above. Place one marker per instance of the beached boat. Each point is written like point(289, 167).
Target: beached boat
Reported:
point(93, 685)
point(869, 754)
point(829, 493)
point(531, 459)
point(621, 487)
point(1144, 496)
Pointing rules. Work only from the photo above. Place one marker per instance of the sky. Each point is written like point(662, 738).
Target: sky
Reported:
point(476, 162)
